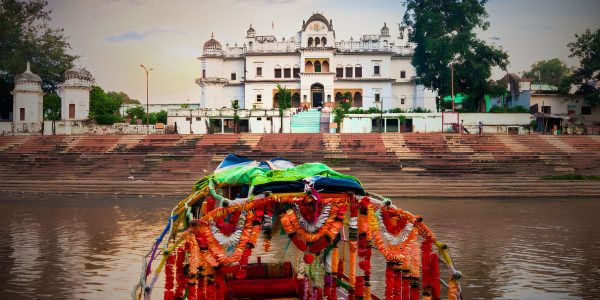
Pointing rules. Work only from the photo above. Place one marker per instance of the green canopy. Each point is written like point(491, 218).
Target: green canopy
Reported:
point(252, 174)
point(458, 98)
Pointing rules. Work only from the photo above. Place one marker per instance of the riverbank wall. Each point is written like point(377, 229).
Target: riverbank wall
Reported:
point(394, 164)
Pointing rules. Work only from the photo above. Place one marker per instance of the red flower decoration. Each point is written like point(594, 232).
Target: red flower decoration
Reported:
point(309, 258)
point(241, 274)
point(365, 265)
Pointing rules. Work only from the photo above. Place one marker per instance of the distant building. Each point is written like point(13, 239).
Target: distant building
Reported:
point(318, 69)
point(552, 108)
point(75, 95)
point(157, 107)
point(28, 114)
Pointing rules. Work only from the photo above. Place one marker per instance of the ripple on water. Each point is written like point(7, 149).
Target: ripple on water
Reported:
point(92, 248)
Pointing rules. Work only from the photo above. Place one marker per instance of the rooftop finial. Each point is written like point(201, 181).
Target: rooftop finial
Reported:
point(28, 69)
point(212, 34)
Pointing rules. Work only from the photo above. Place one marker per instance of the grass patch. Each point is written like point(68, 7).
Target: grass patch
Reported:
point(571, 177)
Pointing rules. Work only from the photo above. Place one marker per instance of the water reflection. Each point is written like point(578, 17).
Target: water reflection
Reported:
point(90, 248)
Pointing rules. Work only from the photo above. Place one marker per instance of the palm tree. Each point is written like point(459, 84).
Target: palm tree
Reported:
point(284, 101)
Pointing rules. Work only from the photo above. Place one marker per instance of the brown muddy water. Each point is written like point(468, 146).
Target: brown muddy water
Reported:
point(90, 248)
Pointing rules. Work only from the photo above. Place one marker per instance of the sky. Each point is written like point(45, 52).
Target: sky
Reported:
point(113, 37)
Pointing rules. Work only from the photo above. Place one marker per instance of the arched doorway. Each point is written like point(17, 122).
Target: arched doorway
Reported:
point(296, 100)
point(316, 91)
point(357, 100)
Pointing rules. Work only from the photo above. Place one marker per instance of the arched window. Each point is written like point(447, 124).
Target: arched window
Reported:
point(275, 102)
point(277, 71)
point(339, 71)
point(326, 67)
point(296, 100)
point(310, 42)
point(250, 44)
point(358, 71)
point(308, 67)
point(357, 100)
point(324, 41)
point(317, 42)
point(317, 67)
point(348, 71)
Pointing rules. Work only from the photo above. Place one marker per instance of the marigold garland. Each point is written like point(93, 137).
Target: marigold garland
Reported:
point(225, 236)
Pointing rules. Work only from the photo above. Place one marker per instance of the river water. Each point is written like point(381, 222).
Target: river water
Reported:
point(90, 248)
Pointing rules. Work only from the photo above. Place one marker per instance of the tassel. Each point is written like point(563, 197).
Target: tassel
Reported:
point(352, 271)
point(431, 270)
point(414, 288)
point(334, 273)
point(200, 290)
point(389, 281)
point(192, 292)
point(359, 287)
point(180, 275)
point(398, 282)
point(453, 290)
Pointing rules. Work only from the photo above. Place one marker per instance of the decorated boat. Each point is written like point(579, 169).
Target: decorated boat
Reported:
point(273, 230)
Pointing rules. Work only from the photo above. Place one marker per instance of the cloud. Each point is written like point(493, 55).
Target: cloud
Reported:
point(133, 35)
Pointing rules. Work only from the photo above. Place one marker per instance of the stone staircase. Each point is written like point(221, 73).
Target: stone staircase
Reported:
point(306, 122)
point(390, 162)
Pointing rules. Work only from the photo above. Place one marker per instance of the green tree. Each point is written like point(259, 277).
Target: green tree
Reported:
point(122, 97)
point(136, 112)
point(551, 71)
point(586, 78)
point(444, 32)
point(52, 109)
point(103, 109)
point(161, 116)
point(235, 104)
point(284, 100)
point(25, 35)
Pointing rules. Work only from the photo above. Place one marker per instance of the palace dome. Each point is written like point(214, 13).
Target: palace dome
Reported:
point(251, 32)
point(212, 44)
point(385, 31)
point(317, 17)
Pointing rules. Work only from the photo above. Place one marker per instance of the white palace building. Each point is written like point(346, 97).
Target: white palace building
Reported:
point(376, 69)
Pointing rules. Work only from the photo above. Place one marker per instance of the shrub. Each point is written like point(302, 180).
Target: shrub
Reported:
point(396, 110)
point(108, 119)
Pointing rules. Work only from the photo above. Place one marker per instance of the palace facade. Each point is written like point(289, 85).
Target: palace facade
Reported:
point(318, 69)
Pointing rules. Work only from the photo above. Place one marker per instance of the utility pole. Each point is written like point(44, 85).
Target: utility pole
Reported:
point(147, 105)
point(452, 78)
point(381, 115)
point(190, 108)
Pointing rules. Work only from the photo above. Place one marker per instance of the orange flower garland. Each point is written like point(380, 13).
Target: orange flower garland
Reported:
point(390, 252)
point(331, 228)
point(217, 254)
